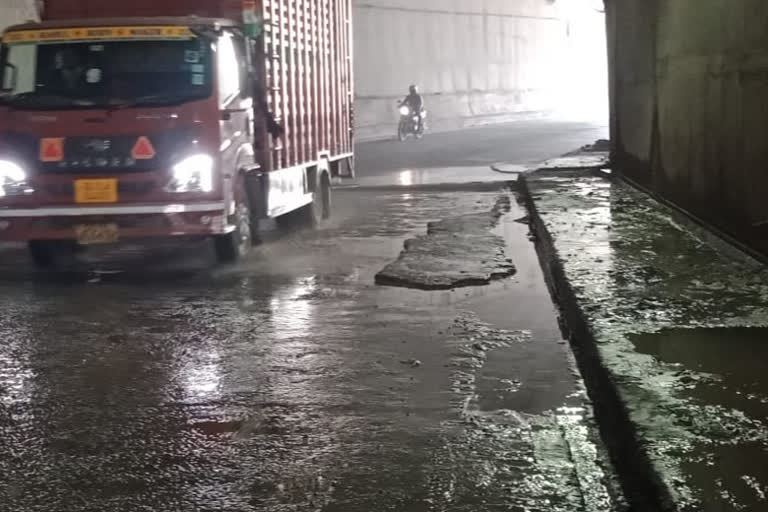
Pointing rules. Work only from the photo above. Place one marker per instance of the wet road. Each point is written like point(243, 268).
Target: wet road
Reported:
point(523, 142)
point(293, 382)
point(466, 156)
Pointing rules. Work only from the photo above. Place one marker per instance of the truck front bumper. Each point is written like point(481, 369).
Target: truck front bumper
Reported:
point(132, 221)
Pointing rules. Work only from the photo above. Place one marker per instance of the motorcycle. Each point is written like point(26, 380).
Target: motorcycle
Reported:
point(409, 124)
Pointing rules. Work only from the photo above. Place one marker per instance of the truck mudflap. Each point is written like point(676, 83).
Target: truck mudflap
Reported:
point(107, 224)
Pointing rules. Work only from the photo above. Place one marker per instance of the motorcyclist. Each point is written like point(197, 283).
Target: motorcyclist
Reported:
point(416, 103)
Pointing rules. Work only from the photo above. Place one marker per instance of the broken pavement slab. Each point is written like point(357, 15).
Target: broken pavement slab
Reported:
point(589, 157)
point(664, 320)
point(591, 160)
point(510, 168)
point(456, 252)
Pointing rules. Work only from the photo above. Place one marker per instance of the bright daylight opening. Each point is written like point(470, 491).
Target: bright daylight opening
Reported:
point(582, 89)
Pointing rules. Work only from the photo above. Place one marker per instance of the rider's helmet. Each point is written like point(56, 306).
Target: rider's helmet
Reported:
point(414, 89)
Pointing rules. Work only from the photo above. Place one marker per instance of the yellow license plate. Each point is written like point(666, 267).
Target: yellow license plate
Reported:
point(91, 234)
point(96, 191)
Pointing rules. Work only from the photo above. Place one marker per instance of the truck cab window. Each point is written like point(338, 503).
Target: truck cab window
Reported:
point(243, 61)
point(24, 59)
point(93, 74)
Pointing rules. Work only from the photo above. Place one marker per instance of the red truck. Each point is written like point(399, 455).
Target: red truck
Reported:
point(172, 118)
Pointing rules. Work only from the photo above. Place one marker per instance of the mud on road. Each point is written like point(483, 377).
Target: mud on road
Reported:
point(293, 381)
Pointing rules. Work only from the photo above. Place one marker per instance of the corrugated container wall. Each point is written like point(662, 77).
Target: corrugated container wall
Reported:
point(307, 66)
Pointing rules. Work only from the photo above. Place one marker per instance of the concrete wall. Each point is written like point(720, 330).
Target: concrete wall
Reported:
point(690, 105)
point(15, 11)
point(478, 59)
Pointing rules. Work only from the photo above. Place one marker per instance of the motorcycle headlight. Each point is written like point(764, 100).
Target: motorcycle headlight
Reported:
point(404, 111)
point(193, 174)
point(13, 179)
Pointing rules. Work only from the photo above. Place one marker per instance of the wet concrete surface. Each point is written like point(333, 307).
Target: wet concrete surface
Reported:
point(677, 319)
point(292, 381)
point(415, 178)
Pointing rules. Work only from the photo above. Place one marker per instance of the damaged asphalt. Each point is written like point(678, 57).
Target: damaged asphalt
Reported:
point(456, 252)
point(294, 382)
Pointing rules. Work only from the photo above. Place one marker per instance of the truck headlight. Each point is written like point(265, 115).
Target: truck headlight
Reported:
point(193, 174)
point(404, 111)
point(13, 179)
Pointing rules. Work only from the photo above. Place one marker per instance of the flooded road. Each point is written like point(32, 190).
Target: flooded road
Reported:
point(293, 382)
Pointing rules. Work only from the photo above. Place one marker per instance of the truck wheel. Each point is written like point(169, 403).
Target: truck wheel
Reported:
point(312, 214)
point(320, 207)
point(42, 253)
point(54, 254)
point(324, 194)
point(235, 246)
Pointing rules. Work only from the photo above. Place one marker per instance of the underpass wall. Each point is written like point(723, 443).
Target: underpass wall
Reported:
point(16, 11)
point(475, 62)
point(690, 106)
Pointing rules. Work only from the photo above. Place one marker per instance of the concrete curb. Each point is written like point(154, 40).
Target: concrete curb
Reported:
point(642, 484)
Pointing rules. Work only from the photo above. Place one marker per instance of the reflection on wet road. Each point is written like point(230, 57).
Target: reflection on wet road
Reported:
point(292, 382)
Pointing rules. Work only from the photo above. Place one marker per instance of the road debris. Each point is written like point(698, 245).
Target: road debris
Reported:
point(456, 252)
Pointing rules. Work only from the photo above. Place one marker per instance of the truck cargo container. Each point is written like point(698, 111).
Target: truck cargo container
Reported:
point(172, 118)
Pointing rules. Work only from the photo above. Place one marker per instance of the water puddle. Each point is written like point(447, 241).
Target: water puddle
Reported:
point(721, 372)
point(415, 177)
point(735, 358)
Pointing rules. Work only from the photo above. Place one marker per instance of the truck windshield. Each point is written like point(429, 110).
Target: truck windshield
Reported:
point(106, 74)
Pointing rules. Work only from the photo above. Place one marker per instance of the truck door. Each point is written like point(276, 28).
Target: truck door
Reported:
point(236, 106)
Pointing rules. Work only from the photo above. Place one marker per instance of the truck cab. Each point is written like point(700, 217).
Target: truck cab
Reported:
point(140, 128)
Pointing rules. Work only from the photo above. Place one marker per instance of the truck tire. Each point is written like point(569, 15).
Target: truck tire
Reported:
point(312, 214)
point(54, 254)
point(235, 246)
point(42, 253)
point(320, 208)
point(325, 196)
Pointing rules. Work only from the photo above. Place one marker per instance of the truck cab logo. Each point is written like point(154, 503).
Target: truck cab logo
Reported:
point(143, 149)
point(98, 145)
point(52, 149)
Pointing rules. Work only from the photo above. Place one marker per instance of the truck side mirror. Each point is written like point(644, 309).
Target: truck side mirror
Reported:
point(10, 77)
